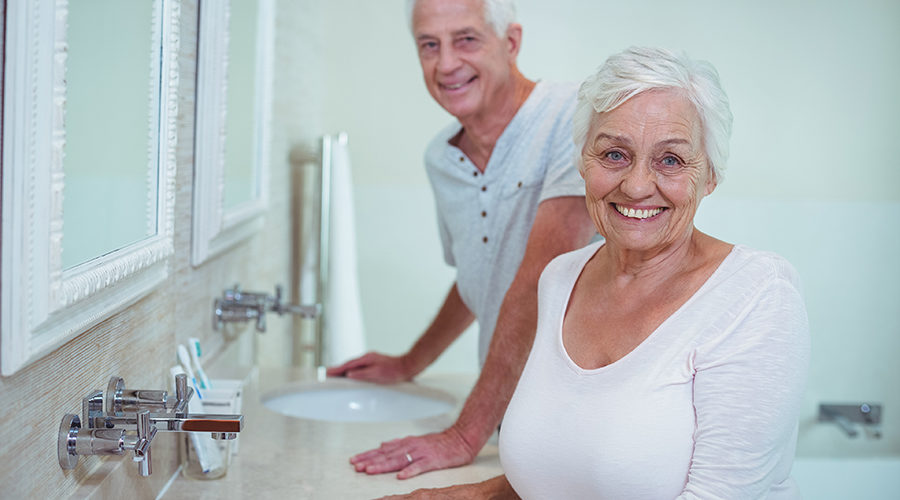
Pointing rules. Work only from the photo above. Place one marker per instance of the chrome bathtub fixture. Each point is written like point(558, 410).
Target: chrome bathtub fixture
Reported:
point(850, 417)
point(236, 305)
point(127, 420)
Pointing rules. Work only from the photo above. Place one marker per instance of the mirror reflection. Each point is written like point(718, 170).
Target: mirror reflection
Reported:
point(241, 155)
point(109, 198)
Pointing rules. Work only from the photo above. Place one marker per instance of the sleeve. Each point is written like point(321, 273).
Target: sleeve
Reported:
point(562, 177)
point(446, 240)
point(748, 387)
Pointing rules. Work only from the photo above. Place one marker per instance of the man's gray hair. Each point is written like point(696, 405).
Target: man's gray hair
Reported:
point(499, 14)
point(641, 69)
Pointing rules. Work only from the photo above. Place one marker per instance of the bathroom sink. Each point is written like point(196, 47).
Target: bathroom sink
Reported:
point(344, 400)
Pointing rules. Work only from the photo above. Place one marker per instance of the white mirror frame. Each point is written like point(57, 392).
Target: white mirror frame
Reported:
point(215, 229)
point(43, 305)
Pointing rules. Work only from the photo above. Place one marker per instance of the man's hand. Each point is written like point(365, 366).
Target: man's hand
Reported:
point(374, 367)
point(414, 455)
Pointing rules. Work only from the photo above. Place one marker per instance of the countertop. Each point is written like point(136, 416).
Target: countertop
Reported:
point(288, 457)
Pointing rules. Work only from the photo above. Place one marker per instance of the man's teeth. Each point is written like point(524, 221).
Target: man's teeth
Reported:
point(639, 213)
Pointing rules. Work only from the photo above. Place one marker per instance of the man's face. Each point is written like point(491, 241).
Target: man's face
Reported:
point(465, 64)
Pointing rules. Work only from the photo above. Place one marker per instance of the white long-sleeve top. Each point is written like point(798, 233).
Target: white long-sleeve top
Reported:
point(705, 407)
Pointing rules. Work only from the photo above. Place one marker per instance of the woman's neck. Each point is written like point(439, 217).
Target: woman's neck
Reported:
point(623, 267)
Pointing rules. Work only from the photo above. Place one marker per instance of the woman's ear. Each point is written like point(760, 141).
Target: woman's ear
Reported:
point(711, 182)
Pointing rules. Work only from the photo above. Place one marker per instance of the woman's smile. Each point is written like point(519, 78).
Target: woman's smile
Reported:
point(638, 213)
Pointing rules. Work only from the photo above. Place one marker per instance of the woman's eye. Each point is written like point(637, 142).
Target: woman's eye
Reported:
point(615, 156)
point(670, 161)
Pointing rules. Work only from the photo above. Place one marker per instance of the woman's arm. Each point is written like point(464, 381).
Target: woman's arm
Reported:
point(748, 387)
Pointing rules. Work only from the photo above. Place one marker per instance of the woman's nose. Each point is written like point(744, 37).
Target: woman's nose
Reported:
point(639, 181)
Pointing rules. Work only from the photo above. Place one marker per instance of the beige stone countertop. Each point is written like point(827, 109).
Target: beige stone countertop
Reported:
point(287, 457)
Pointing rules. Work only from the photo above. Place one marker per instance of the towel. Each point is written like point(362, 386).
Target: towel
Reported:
point(344, 335)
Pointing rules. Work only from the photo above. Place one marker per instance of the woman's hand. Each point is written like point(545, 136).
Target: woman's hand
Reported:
point(414, 455)
point(497, 488)
point(374, 367)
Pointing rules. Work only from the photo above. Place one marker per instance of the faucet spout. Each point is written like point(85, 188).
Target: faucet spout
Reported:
point(216, 424)
point(220, 426)
point(845, 424)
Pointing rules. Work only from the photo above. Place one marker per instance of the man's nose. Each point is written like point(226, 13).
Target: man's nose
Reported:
point(448, 61)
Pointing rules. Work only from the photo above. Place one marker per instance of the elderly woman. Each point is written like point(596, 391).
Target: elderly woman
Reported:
point(667, 363)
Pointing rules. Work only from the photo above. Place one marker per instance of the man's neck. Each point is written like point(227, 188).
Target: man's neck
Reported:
point(480, 132)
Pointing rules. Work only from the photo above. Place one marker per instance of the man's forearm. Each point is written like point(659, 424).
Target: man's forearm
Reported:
point(561, 225)
point(451, 320)
point(506, 357)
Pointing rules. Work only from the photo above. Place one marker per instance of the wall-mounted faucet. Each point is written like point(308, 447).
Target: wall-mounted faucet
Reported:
point(128, 420)
point(849, 417)
point(236, 305)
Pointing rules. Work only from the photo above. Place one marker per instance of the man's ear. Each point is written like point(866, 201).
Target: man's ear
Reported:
point(514, 39)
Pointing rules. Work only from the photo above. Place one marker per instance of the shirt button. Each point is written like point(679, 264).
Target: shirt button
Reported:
point(484, 239)
point(475, 174)
point(484, 188)
point(462, 159)
point(483, 213)
point(520, 184)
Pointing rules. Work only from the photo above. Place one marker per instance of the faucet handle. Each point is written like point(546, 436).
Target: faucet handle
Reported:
point(119, 400)
point(183, 394)
point(145, 435)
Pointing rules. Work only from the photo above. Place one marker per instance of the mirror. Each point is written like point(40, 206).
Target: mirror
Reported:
point(89, 132)
point(108, 163)
point(241, 183)
point(232, 134)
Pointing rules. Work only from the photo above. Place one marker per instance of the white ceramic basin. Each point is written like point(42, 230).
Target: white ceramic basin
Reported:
point(343, 400)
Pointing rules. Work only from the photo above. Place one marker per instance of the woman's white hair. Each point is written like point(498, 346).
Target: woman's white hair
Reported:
point(641, 69)
point(499, 14)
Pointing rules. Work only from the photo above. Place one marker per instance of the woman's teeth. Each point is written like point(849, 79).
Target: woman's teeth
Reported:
point(639, 213)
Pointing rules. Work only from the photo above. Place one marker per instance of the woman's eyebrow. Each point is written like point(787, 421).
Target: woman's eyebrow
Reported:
point(611, 138)
point(674, 141)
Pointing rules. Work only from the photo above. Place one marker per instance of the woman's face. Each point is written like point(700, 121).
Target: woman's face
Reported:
point(645, 171)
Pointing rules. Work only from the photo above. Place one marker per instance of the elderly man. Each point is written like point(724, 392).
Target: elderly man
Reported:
point(509, 200)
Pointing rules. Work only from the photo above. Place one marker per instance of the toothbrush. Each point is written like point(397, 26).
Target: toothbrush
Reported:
point(194, 349)
point(185, 359)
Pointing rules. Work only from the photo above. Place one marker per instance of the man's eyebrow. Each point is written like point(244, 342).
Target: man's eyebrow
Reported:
point(468, 30)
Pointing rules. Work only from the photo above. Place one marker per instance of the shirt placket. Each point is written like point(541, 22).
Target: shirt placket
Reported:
point(483, 195)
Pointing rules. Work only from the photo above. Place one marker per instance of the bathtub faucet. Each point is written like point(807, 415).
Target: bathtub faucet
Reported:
point(850, 417)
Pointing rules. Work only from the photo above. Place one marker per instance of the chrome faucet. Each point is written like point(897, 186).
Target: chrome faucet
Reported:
point(109, 422)
point(849, 417)
point(236, 305)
